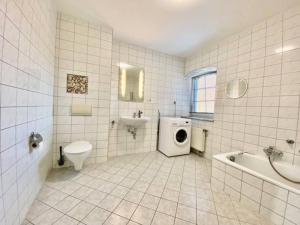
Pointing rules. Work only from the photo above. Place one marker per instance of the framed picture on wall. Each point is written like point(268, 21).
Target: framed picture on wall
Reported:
point(77, 84)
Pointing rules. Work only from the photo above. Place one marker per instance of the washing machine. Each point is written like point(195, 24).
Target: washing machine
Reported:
point(174, 136)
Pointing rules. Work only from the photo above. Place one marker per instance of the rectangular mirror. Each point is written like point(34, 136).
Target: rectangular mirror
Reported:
point(131, 83)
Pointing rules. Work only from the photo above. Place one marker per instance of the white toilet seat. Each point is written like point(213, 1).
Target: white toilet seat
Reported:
point(78, 147)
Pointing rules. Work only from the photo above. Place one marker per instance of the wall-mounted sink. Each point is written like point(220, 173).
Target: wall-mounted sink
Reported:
point(134, 122)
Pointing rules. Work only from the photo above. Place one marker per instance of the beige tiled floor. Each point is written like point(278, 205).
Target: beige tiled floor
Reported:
point(144, 188)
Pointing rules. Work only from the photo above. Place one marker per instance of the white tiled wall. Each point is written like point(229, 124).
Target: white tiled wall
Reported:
point(27, 40)
point(164, 84)
point(268, 114)
point(82, 48)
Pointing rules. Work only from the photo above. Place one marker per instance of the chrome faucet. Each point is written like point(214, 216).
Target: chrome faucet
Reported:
point(140, 114)
point(273, 153)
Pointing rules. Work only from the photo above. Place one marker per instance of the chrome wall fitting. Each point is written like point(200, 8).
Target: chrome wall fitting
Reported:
point(273, 153)
point(35, 140)
point(290, 141)
point(132, 130)
point(113, 123)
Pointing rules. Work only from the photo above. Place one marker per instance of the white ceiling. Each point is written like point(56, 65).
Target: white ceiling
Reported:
point(174, 26)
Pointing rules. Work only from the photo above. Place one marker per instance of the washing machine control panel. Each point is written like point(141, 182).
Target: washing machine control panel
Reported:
point(182, 123)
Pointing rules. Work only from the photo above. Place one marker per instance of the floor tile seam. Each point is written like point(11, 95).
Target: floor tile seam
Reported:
point(155, 196)
point(66, 213)
point(98, 206)
point(173, 163)
point(196, 194)
point(120, 198)
point(128, 175)
point(75, 206)
point(126, 194)
point(180, 188)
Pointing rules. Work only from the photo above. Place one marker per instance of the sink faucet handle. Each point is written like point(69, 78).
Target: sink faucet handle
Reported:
point(140, 113)
point(134, 115)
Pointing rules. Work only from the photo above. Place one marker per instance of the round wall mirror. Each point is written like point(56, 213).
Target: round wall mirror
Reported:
point(236, 88)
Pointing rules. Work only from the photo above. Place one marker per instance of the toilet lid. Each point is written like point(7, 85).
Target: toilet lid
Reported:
point(78, 147)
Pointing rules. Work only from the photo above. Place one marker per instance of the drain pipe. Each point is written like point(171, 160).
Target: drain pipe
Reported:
point(132, 130)
point(175, 106)
point(158, 123)
point(205, 139)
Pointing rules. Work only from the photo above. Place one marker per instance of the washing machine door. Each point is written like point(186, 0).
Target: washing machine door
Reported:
point(181, 136)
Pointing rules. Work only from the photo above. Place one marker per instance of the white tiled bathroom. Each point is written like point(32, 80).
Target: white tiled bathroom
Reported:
point(162, 112)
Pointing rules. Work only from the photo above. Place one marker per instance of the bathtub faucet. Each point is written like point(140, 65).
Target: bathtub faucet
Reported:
point(273, 153)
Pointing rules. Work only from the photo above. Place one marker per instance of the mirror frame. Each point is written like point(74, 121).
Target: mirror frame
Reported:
point(240, 96)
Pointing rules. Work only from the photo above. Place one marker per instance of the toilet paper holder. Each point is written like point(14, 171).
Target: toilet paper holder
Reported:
point(35, 140)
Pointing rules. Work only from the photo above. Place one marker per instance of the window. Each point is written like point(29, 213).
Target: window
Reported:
point(203, 93)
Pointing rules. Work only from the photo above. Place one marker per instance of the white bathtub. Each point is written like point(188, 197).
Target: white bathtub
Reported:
point(252, 180)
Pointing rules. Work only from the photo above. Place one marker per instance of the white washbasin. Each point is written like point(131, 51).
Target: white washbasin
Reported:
point(134, 122)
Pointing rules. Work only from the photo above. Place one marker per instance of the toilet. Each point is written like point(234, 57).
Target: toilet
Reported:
point(77, 152)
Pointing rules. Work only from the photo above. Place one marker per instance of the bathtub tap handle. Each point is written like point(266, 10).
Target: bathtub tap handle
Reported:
point(271, 151)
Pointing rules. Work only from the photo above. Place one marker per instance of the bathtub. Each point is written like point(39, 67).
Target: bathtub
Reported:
point(251, 180)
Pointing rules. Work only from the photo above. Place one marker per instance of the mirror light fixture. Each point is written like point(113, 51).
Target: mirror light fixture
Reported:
point(141, 84)
point(123, 82)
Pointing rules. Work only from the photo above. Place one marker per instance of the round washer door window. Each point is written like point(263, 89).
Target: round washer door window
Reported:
point(181, 136)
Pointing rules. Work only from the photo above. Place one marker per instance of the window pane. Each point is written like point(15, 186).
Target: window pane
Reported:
point(195, 107)
point(203, 93)
point(201, 107)
point(201, 82)
point(200, 95)
point(210, 94)
point(195, 96)
point(210, 106)
point(211, 80)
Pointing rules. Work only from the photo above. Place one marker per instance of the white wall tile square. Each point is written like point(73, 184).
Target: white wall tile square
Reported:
point(267, 56)
point(164, 84)
point(80, 49)
point(27, 41)
point(39, 48)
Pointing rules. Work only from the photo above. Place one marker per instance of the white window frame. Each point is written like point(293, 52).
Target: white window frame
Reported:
point(194, 74)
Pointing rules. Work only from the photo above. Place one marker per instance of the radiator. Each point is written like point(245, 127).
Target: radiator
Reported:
point(198, 139)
